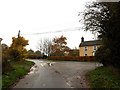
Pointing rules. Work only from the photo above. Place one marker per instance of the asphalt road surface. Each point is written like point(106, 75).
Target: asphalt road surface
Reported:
point(54, 74)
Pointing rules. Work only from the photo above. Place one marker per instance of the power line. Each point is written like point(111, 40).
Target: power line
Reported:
point(65, 30)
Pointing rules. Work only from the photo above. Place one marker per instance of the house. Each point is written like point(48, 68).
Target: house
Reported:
point(88, 48)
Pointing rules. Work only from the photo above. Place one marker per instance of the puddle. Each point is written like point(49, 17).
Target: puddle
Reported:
point(43, 64)
point(50, 64)
point(33, 70)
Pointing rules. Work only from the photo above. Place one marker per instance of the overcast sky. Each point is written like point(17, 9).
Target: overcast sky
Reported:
point(37, 16)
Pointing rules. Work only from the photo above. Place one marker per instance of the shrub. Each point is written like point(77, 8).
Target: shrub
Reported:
point(5, 63)
point(103, 55)
point(32, 56)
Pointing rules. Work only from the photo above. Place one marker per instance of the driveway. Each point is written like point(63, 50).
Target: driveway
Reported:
point(54, 74)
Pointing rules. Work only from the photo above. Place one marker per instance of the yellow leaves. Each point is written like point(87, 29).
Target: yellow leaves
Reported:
point(17, 49)
point(19, 41)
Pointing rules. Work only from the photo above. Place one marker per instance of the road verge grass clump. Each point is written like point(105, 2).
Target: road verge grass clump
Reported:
point(104, 77)
point(19, 70)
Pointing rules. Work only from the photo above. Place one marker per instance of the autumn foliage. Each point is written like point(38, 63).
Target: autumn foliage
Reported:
point(17, 50)
point(59, 46)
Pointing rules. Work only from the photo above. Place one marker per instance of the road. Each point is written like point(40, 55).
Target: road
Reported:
point(54, 74)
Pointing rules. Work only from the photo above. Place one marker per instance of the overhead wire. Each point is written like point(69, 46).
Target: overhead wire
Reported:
point(65, 30)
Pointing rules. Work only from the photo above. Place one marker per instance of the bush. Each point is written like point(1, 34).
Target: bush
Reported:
point(32, 56)
point(104, 77)
point(106, 57)
point(5, 63)
point(14, 54)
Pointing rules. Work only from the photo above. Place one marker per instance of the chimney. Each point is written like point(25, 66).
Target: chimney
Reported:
point(82, 39)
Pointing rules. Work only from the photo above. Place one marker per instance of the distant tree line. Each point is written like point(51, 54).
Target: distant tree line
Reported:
point(56, 47)
point(35, 54)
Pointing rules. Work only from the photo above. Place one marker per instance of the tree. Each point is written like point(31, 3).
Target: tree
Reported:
point(39, 54)
point(44, 46)
point(4, 47)
point(74, 52)
point(59, 46)
point(103, 18)
point(30, 51)
point(5, 58)
point(17, 50)
point(31, 54)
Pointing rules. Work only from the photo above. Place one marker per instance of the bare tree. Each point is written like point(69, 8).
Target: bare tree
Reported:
point(44, 45)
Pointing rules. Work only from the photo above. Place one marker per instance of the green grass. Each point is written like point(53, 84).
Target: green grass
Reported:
point(104, 77)
point(19, 69)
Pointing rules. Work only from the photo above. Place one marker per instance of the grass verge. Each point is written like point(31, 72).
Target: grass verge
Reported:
point(104, 77)
point(19, 69)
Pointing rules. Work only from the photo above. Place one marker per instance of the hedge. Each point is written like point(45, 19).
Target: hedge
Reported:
point(67, 58)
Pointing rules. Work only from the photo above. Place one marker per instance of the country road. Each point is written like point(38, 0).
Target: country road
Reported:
point(54, 74)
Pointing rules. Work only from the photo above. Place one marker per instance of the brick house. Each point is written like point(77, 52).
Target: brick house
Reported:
point(88, 48)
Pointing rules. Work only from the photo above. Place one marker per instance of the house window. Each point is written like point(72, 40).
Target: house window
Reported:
point(85, 48)
point(85, 54)
point(94, 48)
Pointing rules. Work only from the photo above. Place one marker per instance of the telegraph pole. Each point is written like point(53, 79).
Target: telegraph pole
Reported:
point(18, 33)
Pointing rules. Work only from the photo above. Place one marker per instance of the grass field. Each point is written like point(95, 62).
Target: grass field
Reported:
point(19, 69)
point(104, 77)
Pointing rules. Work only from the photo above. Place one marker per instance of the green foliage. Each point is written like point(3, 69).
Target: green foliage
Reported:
point(5, 59)
point(39, 54)
point(104, 77)
point(19, 69)
point(6, 62)
point(103, 55)
point(104, 18)
point(111, 35)
point(32, 56)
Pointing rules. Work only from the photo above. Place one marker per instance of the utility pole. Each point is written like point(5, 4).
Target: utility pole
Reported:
point(18, 33)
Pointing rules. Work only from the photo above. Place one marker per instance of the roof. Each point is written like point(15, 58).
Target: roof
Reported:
point(90, 43)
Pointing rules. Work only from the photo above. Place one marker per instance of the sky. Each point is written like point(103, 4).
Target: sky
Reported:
point(39, 16)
